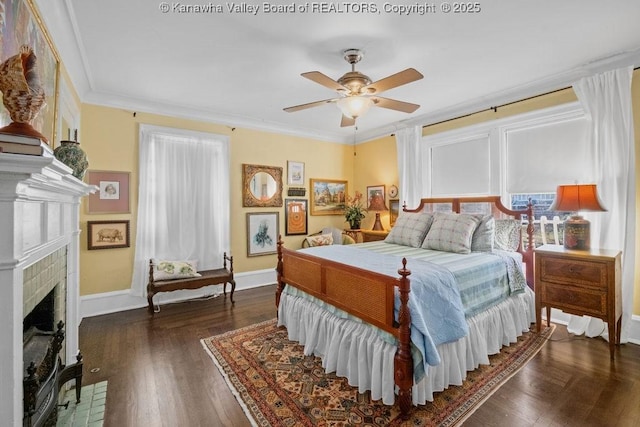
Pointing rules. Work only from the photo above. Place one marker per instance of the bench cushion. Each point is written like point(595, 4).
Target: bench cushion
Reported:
point(172, 270)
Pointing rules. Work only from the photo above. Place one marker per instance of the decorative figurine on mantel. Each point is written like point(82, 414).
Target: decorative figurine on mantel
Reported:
point(70, 153)
point(22, 94)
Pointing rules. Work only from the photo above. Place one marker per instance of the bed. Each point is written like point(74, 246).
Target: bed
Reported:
point(390, 316)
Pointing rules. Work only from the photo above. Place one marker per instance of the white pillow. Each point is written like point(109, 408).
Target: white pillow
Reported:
point(451, 232)
point(320, 240)
point(410, 229)
point(170, 270)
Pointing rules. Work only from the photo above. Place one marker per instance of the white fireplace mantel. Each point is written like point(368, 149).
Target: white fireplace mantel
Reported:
point(39, 214)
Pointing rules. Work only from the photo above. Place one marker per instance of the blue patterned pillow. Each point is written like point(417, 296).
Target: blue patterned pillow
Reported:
point(410, 229)
point(451, 232)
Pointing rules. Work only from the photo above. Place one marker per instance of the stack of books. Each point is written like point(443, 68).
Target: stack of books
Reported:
point(22, 144)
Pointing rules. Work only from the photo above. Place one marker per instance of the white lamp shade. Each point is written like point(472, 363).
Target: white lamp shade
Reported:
point(354, 106)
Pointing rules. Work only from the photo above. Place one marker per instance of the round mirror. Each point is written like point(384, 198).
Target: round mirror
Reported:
point(262, 186)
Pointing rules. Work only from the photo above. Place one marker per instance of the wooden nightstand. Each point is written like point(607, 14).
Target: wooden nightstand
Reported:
point(354, 233)
point(372, 236)
point(580, 282)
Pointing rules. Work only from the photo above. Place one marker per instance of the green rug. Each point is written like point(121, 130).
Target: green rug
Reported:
point(277, 385)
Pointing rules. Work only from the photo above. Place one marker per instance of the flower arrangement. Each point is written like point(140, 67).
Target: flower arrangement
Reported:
point(354, 210)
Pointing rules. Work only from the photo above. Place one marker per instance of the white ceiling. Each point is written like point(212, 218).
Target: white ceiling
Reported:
point(242, 70)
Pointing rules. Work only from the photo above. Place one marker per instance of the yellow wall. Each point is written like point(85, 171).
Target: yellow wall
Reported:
point(376, 161)
point(110, 138)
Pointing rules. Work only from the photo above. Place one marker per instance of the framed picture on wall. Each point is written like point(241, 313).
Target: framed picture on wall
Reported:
point(108, 234)
point(394, 211)
point(113, 192)
point(295, 216)
point(262, 233)
point(328, 196)
point(295, 173)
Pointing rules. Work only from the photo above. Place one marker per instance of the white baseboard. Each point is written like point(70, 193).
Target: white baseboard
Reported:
point(113, 302)
point(558, 316)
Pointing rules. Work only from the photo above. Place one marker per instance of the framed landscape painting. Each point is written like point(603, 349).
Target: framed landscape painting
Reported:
point(262, 233)
point(328, 196)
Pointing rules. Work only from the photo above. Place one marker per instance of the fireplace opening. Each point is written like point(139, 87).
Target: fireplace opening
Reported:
point(42, 316)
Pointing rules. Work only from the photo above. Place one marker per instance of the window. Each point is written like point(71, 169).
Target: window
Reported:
point(183, 199)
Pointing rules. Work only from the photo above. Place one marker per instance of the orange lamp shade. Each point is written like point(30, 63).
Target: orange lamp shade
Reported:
point(576, 198)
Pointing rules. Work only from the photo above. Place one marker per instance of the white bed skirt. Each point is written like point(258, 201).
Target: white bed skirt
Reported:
point(354, 350)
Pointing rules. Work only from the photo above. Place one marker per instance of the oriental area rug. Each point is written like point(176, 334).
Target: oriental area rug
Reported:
point(277, 385)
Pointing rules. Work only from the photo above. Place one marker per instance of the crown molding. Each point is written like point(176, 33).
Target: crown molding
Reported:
point(61, 23)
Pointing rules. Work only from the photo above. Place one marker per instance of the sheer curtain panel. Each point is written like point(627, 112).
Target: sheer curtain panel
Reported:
point(183, 199)
point(409, 166)
point(606, 98)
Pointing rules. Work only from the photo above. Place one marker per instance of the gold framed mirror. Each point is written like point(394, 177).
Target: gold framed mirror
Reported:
point(261, 186)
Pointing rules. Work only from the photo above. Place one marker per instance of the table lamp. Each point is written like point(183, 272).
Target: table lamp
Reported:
point(577, 198)
point(376, 204)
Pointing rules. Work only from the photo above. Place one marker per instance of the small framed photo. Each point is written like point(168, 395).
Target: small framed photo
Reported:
point(113, 192)
point(295, 173)
point(108, 234)
point(328, 196)
point(295, 216)
point(262, 233)
point(394, 211)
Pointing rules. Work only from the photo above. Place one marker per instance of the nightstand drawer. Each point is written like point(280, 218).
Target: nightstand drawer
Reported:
point(573, 272)
point(575, 300)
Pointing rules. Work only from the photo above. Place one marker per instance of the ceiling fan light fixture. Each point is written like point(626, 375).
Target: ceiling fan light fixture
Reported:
point(354, 106)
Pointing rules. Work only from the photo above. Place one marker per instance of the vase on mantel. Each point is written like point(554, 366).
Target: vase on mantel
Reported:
point(70, 153)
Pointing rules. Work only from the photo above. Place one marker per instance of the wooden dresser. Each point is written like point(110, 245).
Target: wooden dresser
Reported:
point(580, 282)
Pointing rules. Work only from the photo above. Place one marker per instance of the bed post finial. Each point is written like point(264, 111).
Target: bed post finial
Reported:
point(280, 286)
point(403, 362)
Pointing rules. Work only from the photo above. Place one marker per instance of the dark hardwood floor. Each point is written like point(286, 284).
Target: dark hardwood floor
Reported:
point(159, 375)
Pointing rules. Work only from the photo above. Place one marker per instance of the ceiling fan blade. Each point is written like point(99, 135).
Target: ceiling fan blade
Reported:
point(309, 105)
point(347, 121)
point(324, 80)
point(398, 79)
point(393, 104)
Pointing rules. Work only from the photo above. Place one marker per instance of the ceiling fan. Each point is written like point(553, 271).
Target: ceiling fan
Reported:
point(356, 91)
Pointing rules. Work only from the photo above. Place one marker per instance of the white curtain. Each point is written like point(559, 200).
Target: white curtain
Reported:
point(606, 98)
point(183, 199)
point(409, 166)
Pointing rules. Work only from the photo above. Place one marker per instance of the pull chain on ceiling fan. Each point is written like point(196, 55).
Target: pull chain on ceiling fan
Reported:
point(356, 91)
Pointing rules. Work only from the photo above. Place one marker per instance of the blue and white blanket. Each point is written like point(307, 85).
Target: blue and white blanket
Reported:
point(437, 313)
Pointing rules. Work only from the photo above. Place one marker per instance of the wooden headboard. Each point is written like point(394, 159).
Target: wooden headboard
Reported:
point(486, 205)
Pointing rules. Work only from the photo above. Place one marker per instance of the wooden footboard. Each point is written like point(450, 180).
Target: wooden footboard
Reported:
point(362, 293)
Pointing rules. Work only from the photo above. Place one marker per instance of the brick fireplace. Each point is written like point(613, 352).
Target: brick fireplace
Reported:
point(39, 252)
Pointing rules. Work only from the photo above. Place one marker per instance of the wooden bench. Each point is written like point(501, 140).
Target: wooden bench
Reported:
point(218, 276)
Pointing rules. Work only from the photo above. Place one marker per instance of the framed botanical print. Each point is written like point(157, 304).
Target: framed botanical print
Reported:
point(262, 233)
point(295, 216)
point(108, 234)
point(328, 196)
point(113, 193)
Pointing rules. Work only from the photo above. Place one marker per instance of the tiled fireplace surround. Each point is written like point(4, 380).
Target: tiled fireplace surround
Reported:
point(39, 251)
